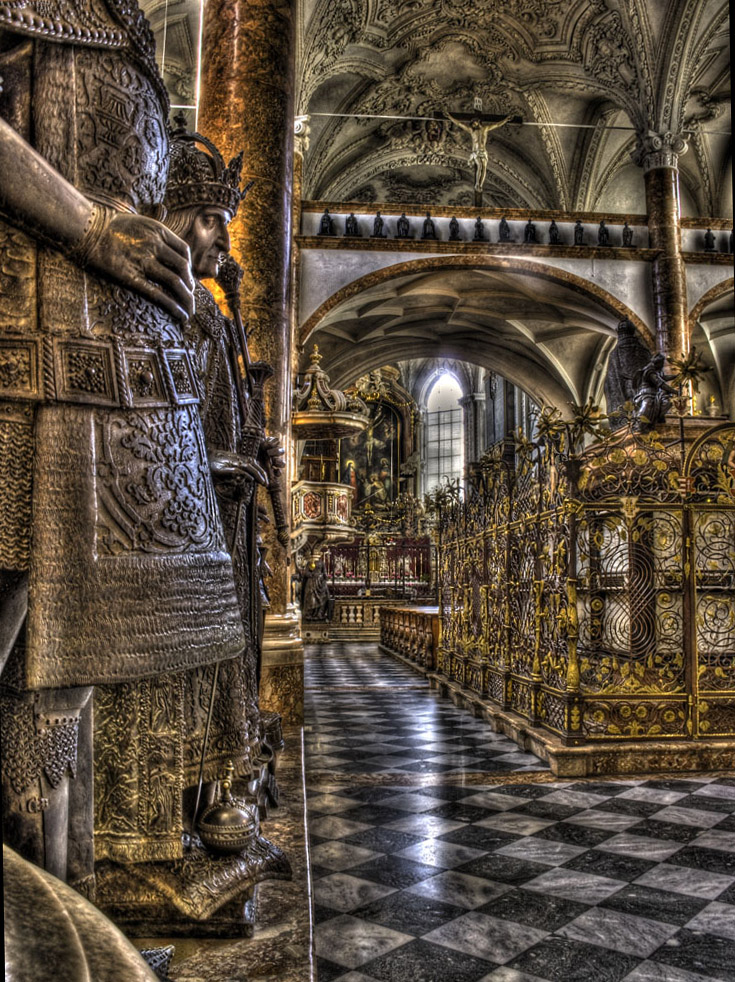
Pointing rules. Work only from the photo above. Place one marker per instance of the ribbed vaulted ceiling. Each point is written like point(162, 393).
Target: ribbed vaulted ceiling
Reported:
point(597, 64)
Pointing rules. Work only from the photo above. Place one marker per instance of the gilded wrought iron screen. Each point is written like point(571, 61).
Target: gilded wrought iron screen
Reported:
point(594, 594)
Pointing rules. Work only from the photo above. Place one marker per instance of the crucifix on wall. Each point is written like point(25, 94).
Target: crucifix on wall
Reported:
point(479, 125)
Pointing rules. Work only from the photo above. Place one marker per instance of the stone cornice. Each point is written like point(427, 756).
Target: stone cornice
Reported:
point(388, 209)
point(365, 244)
point(723, 224)
point(708, 258)
point(441, 247)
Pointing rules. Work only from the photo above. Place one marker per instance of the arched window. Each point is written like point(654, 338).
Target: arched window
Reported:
point(444, 432)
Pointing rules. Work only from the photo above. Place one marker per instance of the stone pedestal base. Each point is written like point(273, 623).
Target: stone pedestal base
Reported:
point(593, 759)
point(281, 949)
point(234, 920)
point(282, 667)
point(198, 896)
point(315, 632)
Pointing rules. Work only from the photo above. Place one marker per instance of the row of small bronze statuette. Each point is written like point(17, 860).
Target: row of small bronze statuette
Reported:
point(403, 230)
point(710, 243)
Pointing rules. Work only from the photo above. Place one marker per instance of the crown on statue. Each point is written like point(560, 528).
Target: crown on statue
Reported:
point(200, 176)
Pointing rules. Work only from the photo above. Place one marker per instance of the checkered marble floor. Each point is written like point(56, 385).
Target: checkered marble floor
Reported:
point(421, 876)
point(368, 713)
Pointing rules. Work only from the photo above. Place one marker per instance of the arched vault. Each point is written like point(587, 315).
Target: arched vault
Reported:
point(545, 330)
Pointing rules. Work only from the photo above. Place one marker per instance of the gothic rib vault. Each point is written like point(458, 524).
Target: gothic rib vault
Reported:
point(617, 68)
point(602, 86)
point(541, 335)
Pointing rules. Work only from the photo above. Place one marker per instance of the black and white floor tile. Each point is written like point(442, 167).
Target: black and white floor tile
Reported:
point(419, 874)
point(367, 713)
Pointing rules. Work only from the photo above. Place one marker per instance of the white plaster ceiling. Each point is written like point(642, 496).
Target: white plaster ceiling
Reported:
point(543, 336)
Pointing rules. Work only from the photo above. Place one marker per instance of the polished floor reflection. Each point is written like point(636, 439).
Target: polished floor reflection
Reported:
point(442, 853)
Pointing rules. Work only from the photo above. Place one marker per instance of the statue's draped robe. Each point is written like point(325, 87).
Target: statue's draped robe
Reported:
point(215, 353)
point(147, 756)
point(315, 598)
point(105, 493)
point(627, 360)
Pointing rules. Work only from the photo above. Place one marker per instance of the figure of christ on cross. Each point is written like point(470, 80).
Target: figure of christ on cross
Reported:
point(479, 125)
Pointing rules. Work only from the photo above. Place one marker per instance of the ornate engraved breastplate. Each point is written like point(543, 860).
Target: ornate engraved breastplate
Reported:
point(121, 141)
point(93, 23)
point(67, 336)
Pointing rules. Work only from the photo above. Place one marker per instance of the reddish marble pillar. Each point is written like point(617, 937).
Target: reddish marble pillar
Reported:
point(246, 103)
point(660, 163)
point(669, 279)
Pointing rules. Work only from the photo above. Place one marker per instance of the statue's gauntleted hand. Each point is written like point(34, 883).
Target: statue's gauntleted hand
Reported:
point(135, 251)
point(143, 255)
point(233, 467)
point(273, 452)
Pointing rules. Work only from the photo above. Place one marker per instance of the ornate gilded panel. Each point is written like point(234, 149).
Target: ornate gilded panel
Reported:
point(550, 710)
point(716, 716)
point(635, 718)
point(630, 593)
point(474, 677)
point(457, 669)
point(495, 686)
point(631, 466)
point(552, 614)
point(521, 601)
point(711, 484)
point(714, 572)
point(520, 697)
point(603, 581)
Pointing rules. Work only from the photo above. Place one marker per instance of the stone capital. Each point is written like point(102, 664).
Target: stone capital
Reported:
point(302, 133)
point(660, 149)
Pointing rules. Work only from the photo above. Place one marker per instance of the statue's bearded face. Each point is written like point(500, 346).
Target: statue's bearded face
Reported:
point(208, 239)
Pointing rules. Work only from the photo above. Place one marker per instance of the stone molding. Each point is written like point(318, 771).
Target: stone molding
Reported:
point(660, 149)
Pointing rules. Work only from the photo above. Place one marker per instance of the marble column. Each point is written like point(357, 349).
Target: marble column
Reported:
point(500, 404)
point(419, 443)
point(246, 103)
point(301, 145)
point(473, 416)
point(659, 155)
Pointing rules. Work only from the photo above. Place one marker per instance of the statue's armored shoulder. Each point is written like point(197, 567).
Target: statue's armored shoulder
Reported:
point(90, 22)
point(106, 24)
